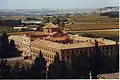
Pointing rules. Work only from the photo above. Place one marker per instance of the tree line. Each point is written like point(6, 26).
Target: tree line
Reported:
point(111, 14)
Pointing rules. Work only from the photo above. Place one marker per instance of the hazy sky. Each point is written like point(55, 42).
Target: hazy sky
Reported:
point(37, 4)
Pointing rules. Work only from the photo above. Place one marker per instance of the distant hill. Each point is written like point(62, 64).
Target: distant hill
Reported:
point(107, 9)
point(44, 11)
point(111, 11)
point(57, 11)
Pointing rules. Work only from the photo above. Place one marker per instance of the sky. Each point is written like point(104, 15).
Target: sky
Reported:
point(56, 4)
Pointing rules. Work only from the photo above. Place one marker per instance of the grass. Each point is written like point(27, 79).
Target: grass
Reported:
point(113, 35)
point(94, 17)
point(108, 33)
point(77, 27)
point(100, 33)
point(4, 28)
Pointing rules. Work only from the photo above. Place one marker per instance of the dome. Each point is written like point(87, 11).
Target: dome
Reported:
point(51, 25)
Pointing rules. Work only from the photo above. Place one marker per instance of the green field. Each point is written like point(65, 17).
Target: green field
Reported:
point(100, 33)
point(93, 22)
point(113, 35)
point(95, 25)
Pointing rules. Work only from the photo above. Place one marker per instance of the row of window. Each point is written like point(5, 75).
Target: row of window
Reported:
point(66, 58)
point(88, 50)
point(78, 51)
point(48, 60)
point(107, 47)
point(25, 40)
point(51, 56)
point(48, 49)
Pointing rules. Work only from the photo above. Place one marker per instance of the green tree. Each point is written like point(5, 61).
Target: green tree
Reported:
point(13, 52)
point(117, 56)
point(75, 72)
point(95, 61)
point(64, 74)
point(16, 70)
point(84, 65)
point(4, 45)
point(54, 68)
point(39, 67)
point(5, 70)
point(7, 49)
point(80, 66)
point(23, 73)
point(58, 69)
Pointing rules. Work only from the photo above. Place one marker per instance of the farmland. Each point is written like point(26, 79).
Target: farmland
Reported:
point(93, 23)
point(108, 34)
point(99, 26)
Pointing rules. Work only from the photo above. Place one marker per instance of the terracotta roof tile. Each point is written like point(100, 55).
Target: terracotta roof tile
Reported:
point(65, 46)
point(51, 25)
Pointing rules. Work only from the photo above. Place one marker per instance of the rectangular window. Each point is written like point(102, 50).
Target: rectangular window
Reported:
point(68, 57)
point(63, 58)
point(62, 52)
point(67, 52)
point(72, 51)
point(76, 51)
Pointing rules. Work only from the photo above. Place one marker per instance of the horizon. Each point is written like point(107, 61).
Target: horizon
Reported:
point(53, 4)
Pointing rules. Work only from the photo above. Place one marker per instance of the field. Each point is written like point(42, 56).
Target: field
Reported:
point(113, 35)
point(100, 33)
point(93, 23)
point(6, 29)
point(101, 26)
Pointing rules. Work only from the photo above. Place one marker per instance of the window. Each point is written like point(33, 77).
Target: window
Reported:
point(68, 57)
point(48, 31)
point(111, 48)
point(107, 47)
point(72, 51)
point(68, 52)
point(83, 50)
point(62, 52)
point(52, 56)
point(63, 58)
point(76, 51)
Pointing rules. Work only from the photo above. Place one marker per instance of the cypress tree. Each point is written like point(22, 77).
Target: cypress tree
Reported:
point(39, 67)
point(13, 52)
point(5, 70)
point(54, 68)
point(4, 45)
point(16, 70)
point(96, 61)
point(58, 69)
